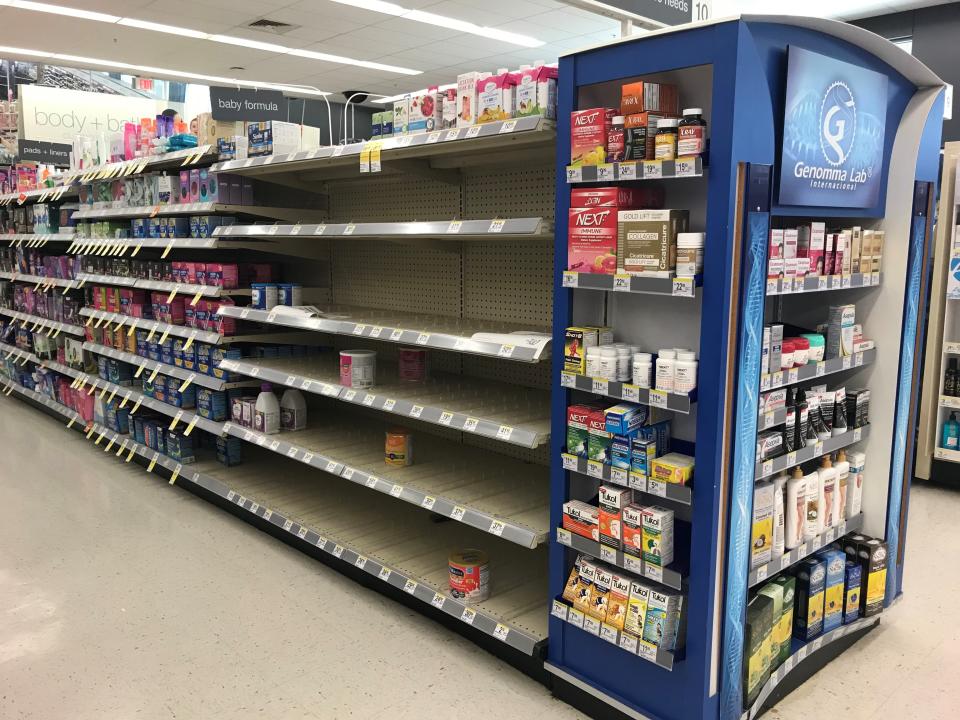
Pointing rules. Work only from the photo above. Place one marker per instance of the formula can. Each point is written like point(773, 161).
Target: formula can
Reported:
point(398, 448)
point(412, 364)
point(470, 575)
point(290, 294)
point(358, 368)
point(263, 296)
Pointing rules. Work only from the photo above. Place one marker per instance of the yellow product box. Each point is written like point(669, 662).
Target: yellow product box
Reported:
point(674, 468)
point(636, 609)
point(575, 344)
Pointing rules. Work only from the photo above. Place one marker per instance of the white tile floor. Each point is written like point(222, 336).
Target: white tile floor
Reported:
point(121, 597)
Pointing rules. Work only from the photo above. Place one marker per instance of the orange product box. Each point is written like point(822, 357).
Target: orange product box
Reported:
point(588, 135)
point(581, 519)
point(631, 98)
point(592, 240)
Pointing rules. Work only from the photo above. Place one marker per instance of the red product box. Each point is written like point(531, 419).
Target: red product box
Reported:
point(588, 135)
point(775, 255)
point(615, 197)
point(581, 519)
point(592, 240)
point(828, 247)
point(632, 529)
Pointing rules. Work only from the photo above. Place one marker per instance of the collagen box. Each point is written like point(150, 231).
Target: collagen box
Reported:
point(647, 241)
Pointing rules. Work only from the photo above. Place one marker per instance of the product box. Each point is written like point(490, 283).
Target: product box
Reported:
point(537, 92)
point(466, 102)
point(856, 249)
point(229, 450)
point(642, 455)
point(785, 623)
point(424, 112)
point(598, 440)
point(573, 581)
point(658, 432)
point(658, 536)
point(582, 519)
point(588, 135)
point(833, 588)
point(611, 196)
point(775, 255)
point(496, 97)
point(626, 417)
point(808, 613)
point(600, 593)
point(576, 342)
point(577, 424)
point(761, 547)
point(641, 131)
point(621, 451)
point(765, 353)
point(769, 445)
point(588, 576)
point(673, 468)
point(776, 347)
point(637, 608)
point(663, 619)
point(842, 254)
point(854, 497)
point(612, 501)
point(840, 331)
point(592, 240)
point(401, 115)
point(448, 108)
point(773, 400)
point(619, 599)
point(851, 591)
point(858, 408)
point(774, 591)
point(647, 241)
point(180, 447)
point(758, 633)
point(873, 568)
point(631, 528)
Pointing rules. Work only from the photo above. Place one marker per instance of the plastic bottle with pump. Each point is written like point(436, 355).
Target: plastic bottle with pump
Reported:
point(795, 510)
point(828, 485)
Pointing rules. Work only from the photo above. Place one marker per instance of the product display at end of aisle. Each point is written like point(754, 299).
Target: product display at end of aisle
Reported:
point(809, 258)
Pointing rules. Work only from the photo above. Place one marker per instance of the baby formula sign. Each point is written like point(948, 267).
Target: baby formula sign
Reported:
point(833, 133)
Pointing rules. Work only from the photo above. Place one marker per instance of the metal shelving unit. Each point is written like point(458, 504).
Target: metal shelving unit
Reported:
point(677, 402)
point(806, 549)
point(53, 326)
point(39, 195)
point(38, 280)
point(812, 371)
point(621, 282)
point(485, 408)
point(460, 483)
point(163, 285)
point(490, 229)
point(679, 494)
point(197, 208)
point(438, 332)
point(125, 168)
point(161, 328)
point(70, 414)
point(811, 452)
point(821, 283)
point(37, 239)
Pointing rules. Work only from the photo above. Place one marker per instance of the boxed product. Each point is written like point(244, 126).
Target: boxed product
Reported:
point(496, 97)
point(647, 241)
point(858, 408)
point(840, 331)
point(774, 591)
point(577, 425)
point(588, 576)
point(619, 599)
point(180, 447)
point(575, 345)
point(424, 112)
point(573, 581)
point(592, 240)
point(769, 444)
point(673, 468)
point(637, 608)
point(229, 450)
point(808, 616)
point(658, 536)
point(758, 634)
point(537, 92)
point(626, 417)
point(785, 623)
point(775, 255)
point(612, 501)
point(466, 102)
point(642, 455)
point(615, 196)
point(401, 115)
point(776, 347)
point(663, 619)
point(621, 451)
point(582, 519)
point(599, 441)
point(873, 567)
point(588, 135)
point(631, 528)
point(600, 593)
point(833, 588)
point(659, 432)
point(761, 547)
point(851, 591)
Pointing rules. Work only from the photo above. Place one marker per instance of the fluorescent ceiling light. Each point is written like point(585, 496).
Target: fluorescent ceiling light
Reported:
point(60, 10)
point(20, 52)
point(160, 27)
point(394, 98)
point(442, 21)
point(197, 34)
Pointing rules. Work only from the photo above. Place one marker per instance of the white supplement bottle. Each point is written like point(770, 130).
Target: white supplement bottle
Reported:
point(685, 372)
point(608, 362)
point(593, 361)
point(293, 410)
point(642, 369)
point(266, 417)
point(623, 364)
point(666, 359)
point(795, 510)
point(689, 254)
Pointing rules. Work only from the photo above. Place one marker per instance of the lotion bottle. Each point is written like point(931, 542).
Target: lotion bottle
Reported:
point(813, 523)
point(795, 509)
point(828, 493)
point(779, 521)
point(843, 487)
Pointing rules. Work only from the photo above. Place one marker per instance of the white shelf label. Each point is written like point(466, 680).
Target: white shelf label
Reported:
point(468, 615)
point(438, 600)
point(609, 633)
point(628, 642)
point(496, 528)
point(571, 279)
point(446, 417)
point(793, 376)
point(683, 287)
point(350, 395)
point(432, 138)
point(302, 532)
point(384, 573)
point(821, 369)
point(564, 537)
point(605, 172)
point(858, 359)
point(416, 411)
point(658, 398)
point(845, 281)
point(685, 167)
point(389, 404)
point(428, 502)
point(630, 392)
point(633, 564)
point(627, 170)
point(857, 434)
point(286, 525)
point(652, 169)
point(410, 587)
point(608, 554)
point(595, 469)
point(454, 226)
point(360, 562)
point(647, 650)
point(574, 174)
point(458, 512)
point(620, 476)
point(331, 466)
point(558, 609)
point(847, 362)
point(504, 432)
point(599, 386)
point(396, 490)
point(292, 452)
point(267, 514)
point(656, 487)
point(371, 481)
point(653, 572)
point(591, 625)
point(575, 617)
point(452, 134)
point(496, 225)
point(761, 573)
point(368, 399)
point(422, 338)
point(505, 351)
point(337, 550)
point(569, 461)
point(822, 282)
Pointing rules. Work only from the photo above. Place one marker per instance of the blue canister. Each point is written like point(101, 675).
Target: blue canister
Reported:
point(290, 294)
point(264, 296)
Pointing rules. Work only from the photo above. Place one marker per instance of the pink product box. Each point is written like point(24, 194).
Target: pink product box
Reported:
point(194, 186)
point(260, 272)
point(135, 310)
point(829, 241)
point(209, 187)
point(219, 323)
point(184, 195)
point(775, 255)
point(223, 275)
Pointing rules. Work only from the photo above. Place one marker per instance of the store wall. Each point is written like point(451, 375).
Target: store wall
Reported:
point(935, 31)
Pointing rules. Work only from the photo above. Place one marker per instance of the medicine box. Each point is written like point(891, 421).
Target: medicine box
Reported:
point(833, 588)
point(592, 240)
point(785, 633)
point(619, 599)
point(632, 529)
point(642, 455)
point(582, 519)
point(600, 593)
point(612, 501)
point(761, 547)
point(577, 423)
point(808, 613)
point(658, 536)
point(621, 449)
point(588, 576)
point(663, 618)
point(599, 441)
point(673, 468)
point(637, 608)
point(626, 417)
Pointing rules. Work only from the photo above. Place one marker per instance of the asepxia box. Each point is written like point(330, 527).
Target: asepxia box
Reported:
point(808, 617)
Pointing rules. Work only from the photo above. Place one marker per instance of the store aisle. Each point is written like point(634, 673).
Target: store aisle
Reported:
point(121, 597)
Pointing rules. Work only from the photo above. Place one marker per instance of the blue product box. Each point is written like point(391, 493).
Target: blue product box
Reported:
point(120, 373)
point(190, 357)
point(180, 447)
point(138, 227)
point(103, 367)
point(162, 227)
point(643, 453)
point(110, 417)
point(178, 227)
point(229, 450)
point(620, 451)
point(161, 438)
point(808, 597)
point(212, 404)
point(123, 420)
point(147, 385)
point(166, 352)
point(203, 357)
point(160, 388)
point(178, 352)
point(836, 561)
point(138, 430)
point(626, 417)
point(141, 336)
point(217, 355)
point(185, 399)
point(153, 229)
point(660, 432)
point(193, 227)
point(851, 591)
point(150, 434)
point(153, 350)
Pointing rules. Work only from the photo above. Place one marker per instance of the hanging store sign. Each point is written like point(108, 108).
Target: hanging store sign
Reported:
point(45, 152)
point(230, 103)
point(833, 133)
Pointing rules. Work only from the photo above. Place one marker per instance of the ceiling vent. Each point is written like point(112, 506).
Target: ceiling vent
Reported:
point(274, 26)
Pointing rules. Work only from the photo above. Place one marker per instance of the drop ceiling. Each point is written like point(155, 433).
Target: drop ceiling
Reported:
point(336, 28)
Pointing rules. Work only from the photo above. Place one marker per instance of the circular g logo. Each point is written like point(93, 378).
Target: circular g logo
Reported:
point(838, 123)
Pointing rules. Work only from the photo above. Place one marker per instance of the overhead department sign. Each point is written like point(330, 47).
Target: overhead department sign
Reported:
point(833, 133)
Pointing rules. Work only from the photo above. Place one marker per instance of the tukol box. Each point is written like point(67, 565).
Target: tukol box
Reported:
point(592, 240)
point(663, 619)
point(581, 519)
point(658, 536)
point(619, 599)
point(631, 528)
point(612, 501)
point(588, 135)
point(637, 608)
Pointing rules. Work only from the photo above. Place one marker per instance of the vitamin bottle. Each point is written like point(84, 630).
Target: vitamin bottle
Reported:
point(665, 369)
point(665, 142)
point(691, 133)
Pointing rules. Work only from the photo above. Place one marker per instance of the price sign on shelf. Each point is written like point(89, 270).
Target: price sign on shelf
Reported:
point(570, 279)
point(564, 537)
point(595, 469)
point(496, 225)
point(652, 169)
point(600, 386)
point(474, 131)
point(620, 476)
point(627, 171)
point(569, 461)
point(628, 642)
point(630, 393)
point(568, 380)
point(605, 172)
point(574, 174)
point(558, 609)
point(685, 167)
point(608, 554)
point(658, 398)
point(683, 287)
point(621, 282)
point(432, 138)
point(508, 126)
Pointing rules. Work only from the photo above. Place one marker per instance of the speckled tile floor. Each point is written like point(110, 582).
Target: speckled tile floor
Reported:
point(121, 597)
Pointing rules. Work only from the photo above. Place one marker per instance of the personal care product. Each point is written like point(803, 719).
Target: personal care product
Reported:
point(757, 631)
point(663, 619)
point(855, 484)
point(658, 536)
point(647, 241)
point(808, 615)
point(795, 510)
point(673, 468)
point(779, 520)
point(835, 561)
point(774, 591)
point(840, 324)
point(851, 591)
point(813, 525)
point(873, 565)
point(267, 411)
point(827, 475)
point(762, 528)
point(621, 451)
point(582, 519)
point(950, 435)
point(577, 425)
point(785, 633)
point(842, 467)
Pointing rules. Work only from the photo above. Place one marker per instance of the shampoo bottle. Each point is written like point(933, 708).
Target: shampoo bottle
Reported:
point(828, 484)
point(795, 510)
point(813, 522)
point(779, 521)
point(951, 434)
point(843, 487)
